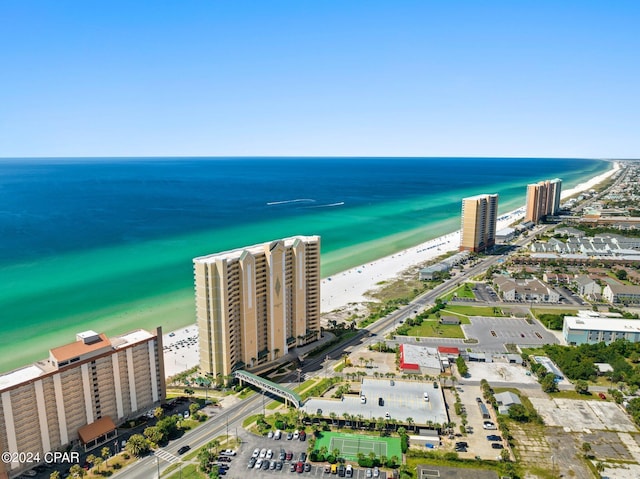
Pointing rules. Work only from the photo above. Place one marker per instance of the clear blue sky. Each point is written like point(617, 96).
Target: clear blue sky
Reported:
point(326, 77)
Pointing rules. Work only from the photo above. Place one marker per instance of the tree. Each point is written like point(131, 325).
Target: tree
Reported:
point(97, 462)
point(586, 448)
point(621, 274)
point(153, 434)
point(189, 391)
point(548, 383)
point(582, 387)
point(158, 413)
point(105, 452)
point(76, 471)
point(193, 408)
point(518, 412)
point(91, 460)
point(54, 475)
point(137, 445)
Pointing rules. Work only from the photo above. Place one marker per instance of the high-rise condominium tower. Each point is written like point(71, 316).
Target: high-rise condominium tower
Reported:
point(79, 394)
point(543, 199)
point(479, 215)
point(253, 304)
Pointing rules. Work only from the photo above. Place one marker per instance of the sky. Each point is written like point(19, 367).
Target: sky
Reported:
point(519, 78)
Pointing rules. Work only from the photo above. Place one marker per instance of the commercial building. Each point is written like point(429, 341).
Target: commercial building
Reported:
point(79, 394)
point(543, 199)
point(590, 330)
point(254, 304)
point(478, 228)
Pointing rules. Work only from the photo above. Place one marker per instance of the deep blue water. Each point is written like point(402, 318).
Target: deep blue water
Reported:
point(53, 206)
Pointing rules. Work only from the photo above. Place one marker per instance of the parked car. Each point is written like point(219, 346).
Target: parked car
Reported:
point(302, 436)
point(270, 435)
point(602, 396)
point(289, 436)
point(263, 453)
point(228, 452)
point(307, 467)
point(273, 465)
point(252, 462)
point(277, 435)
point(497, 445)
point(348, 472)
point(299, 467)
point(341, 470)
point(296, 435)
point(376, 472)
point(183, 449)
point(258, 463)
point(494, 437)
point(327, 468)
point(256, 452)
point(265, 465)
point(369, 473)
point(489, 425)
point(269, 454)
point(293, 467)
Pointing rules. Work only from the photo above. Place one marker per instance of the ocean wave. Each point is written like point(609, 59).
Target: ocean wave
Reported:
point(330, 205)
point(284, 202)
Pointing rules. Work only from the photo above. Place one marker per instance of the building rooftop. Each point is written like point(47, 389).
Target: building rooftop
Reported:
point(257, 249)
point(603, 324)
point(18, 376)
point(80, 348)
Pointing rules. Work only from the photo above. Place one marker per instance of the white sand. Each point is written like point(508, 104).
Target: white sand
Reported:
point(341, 289)
point(350, 286)
point(181, 351)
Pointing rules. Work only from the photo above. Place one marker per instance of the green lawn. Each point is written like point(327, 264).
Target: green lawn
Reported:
point(462, 291)
point(565, 312)
point(433, 329)
point(471, 310)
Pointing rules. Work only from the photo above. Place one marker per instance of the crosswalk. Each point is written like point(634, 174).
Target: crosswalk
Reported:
point(165, 456)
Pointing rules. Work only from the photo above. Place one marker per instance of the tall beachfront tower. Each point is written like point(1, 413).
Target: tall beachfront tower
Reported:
point(253, 304)
point(79, 394)
point(543, 199)
point(479, 216)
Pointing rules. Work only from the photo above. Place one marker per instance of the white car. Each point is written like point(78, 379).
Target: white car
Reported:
point(376, 472)
point(228, 452)
point(489, 425)
point(258, 464)
point(296, 435)
point(263, 453)
point(256, 452)
point(269, 454)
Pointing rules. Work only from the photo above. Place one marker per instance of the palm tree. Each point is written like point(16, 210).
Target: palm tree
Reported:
point(76, 471)
point(105, 452)
point(323, 451)
point(54, 475)
point(333, 416)
point(409, 421)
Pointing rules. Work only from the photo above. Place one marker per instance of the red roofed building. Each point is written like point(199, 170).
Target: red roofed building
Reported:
point(449, 351)
point(407, 365)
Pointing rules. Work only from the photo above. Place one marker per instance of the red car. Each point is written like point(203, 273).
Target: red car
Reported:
point(602, 396)
point(299, 466)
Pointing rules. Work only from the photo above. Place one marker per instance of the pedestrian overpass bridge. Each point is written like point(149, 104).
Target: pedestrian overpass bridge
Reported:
point(289, 396)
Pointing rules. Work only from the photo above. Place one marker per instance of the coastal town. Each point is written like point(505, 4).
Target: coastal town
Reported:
point(506, 349)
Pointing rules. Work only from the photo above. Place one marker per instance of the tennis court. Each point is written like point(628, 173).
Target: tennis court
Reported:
point(350, 445)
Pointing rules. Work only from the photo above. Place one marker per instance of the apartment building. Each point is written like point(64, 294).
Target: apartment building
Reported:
point(254, 304)
point(543, 199)
point(583, 329)
point(79, 394)
point(479, 217)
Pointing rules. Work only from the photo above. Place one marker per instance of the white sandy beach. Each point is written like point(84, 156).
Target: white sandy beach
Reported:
point(350, 286)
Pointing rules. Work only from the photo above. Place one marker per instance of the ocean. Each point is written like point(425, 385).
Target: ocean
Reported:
point(107, 244)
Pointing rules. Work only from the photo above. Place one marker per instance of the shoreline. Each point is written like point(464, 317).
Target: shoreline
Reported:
point(350, 286)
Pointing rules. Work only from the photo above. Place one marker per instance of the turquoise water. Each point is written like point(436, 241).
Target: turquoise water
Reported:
point(107, 244)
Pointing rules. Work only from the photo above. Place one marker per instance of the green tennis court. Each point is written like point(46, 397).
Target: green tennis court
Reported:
point(350, 445)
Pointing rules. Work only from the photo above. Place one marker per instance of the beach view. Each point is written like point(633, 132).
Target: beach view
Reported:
point(362, 240)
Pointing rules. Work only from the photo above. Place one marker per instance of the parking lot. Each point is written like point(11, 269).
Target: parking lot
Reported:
point(493, 333)
point(239, 465)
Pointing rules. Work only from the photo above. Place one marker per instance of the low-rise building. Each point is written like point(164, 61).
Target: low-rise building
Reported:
point(530, 290)
point(587, 286)
point(617, 293)
point(585, 329)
